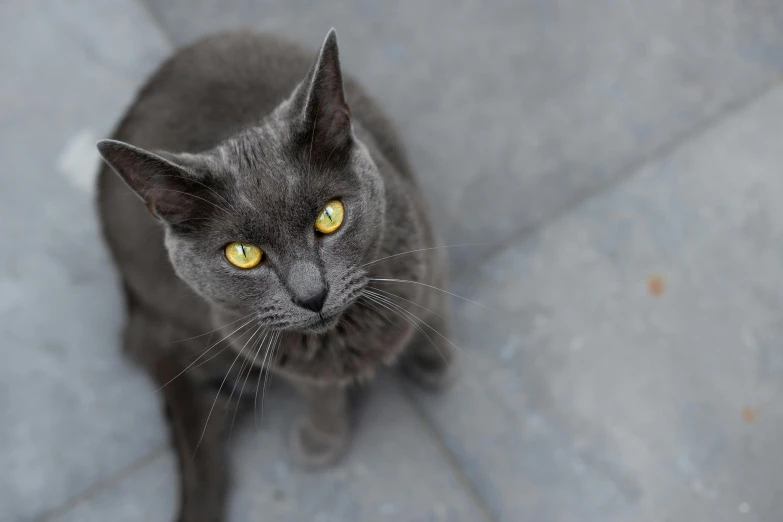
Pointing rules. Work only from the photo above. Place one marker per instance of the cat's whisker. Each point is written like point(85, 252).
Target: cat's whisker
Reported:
point(215, 218)
point(408, 300)
point(191, 180)
point(425, 249)
point(207, 333)
point(260, 374)
point(339, 144)
point(269, 372)
point(216, 354)
point(424, 323)
point(385, 280)
point(156, 232)
point(246, 362)
point(193, 196)
point(249, 371)
point(434, 345)
point(143, 191)
point(188, 367)
point(217, 395)
point(312, 137)
point(372, 307)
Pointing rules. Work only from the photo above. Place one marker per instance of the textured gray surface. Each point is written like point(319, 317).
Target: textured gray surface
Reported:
point(593, 396)
point(585, 397)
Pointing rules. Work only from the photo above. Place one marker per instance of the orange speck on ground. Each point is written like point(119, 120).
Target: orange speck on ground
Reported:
point(748, 415)
point(655, 285)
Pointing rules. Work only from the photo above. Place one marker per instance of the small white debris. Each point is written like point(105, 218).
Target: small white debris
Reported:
point(744, 508)
point(79, 161)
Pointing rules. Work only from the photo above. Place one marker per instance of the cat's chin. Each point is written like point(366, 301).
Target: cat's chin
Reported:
point(322, 324)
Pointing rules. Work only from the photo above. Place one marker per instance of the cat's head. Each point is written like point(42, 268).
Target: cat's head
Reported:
point(278, 220)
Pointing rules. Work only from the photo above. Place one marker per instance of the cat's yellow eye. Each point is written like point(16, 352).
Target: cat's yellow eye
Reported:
point(243, 255)
point(330, 218)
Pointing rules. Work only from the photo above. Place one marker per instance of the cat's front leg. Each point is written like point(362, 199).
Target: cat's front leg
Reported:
point(321, 436)
point(198, 442)
point(199, 446)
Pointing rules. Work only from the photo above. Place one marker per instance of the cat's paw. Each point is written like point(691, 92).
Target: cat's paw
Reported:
point(314, 449)
point(433, 375)
point(197, 511)
point(198, 518)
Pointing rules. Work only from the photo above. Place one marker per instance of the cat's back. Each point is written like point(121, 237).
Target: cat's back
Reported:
point(216, 87)
point(212, 89)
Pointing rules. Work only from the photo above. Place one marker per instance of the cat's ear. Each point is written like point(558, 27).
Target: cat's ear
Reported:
point(323, 110)
point(170, 191)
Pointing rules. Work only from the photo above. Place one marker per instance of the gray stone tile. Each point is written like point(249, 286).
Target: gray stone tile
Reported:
point(394, 472)
point(72, 412)
point(512, 109)
point(630, 364)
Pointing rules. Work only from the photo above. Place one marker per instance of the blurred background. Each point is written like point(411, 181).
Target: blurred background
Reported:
point(625, 157)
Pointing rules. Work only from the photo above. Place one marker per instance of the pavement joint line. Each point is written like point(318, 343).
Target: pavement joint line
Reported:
point(104, 484)
point(623, 174)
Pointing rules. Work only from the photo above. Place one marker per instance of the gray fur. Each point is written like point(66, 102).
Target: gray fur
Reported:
point(240, 138)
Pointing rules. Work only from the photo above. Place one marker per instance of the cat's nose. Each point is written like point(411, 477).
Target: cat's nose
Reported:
point(307, 286)
point(314, 302)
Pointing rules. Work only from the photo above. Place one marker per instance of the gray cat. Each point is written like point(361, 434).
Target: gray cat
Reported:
point(263, 209)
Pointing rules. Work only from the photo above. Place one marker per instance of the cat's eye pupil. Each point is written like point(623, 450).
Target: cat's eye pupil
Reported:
point(243, 255)
point(330, 217)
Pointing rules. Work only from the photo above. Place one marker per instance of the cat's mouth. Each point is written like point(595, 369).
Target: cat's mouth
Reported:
point(323, 323)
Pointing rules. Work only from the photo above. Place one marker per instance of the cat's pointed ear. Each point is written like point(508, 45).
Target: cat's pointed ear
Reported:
point(170, 191)
point(324, 111)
